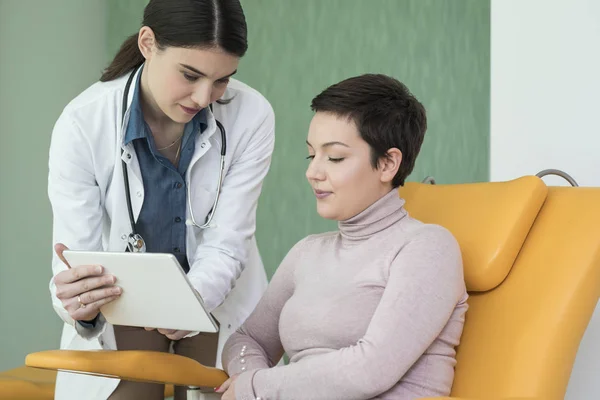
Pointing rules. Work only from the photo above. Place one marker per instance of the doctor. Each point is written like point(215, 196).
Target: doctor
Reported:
point(167, 153)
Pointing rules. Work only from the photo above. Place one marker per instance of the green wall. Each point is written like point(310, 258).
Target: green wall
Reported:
point(49, 52)
point(440, 49)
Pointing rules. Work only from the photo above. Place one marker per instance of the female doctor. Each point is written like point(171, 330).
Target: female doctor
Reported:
point(167, 153)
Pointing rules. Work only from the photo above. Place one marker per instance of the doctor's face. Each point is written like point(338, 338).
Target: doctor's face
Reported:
point(182, 81)
point(340, 171)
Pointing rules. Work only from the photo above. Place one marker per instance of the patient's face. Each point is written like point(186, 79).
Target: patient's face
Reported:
point(340, 171)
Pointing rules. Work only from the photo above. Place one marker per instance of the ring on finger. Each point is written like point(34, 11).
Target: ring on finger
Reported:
point(81, 305)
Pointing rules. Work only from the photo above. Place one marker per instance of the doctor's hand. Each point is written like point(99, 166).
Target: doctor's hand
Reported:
point(172, 334)
point(83, 289)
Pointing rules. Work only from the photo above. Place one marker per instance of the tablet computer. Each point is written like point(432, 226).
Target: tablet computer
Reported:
point(156, 292)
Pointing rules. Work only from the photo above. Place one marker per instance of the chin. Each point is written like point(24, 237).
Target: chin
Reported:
point(181, 118)
point(176, 114)
point(327, 213)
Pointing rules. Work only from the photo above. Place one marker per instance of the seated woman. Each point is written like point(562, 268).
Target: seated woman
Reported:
point(376, 309)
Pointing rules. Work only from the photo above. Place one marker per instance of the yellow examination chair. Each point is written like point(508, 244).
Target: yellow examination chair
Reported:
point(532, 267)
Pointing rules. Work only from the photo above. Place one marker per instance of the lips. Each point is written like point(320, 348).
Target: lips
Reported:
point(321, 194)
point(188, 110)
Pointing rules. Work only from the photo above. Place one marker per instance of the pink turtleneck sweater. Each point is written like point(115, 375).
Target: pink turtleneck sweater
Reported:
point(373, 311)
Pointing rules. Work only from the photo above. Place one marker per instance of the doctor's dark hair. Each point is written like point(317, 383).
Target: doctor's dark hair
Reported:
point(185, 23)
point(386, 115)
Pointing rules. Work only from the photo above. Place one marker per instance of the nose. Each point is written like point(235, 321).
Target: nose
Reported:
point(314, 172)
point(202, 94)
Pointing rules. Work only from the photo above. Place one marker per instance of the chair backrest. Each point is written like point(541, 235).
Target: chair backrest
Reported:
point(522, 334)
point(489, 220)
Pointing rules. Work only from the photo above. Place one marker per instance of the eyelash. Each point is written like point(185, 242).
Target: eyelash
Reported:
point(333, 160)
point(192, 78)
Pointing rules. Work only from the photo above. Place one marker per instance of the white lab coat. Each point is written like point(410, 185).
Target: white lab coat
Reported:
point(87, 194)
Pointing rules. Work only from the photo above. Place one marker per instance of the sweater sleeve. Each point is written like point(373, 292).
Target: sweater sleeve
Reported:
point(256, 344)
point(425, 284)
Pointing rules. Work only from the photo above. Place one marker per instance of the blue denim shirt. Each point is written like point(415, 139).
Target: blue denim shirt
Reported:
point(162, 218)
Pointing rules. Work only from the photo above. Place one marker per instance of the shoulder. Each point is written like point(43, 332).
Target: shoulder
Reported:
point(431, 236)
point(430, 249)
point(437, 236)
point(430, 262)
point(310, 243)
point(96, 108)
point(246, 95)
point(89, 124)
point(248, 103)
point(318, 239)
point(305, 249)
point(99, 94)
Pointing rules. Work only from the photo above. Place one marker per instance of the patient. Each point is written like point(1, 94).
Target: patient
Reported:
point(375, 309)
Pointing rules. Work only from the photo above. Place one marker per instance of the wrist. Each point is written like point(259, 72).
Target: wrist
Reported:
point(89, 323)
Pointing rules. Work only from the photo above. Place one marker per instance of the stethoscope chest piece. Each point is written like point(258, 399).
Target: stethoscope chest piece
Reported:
point(135, 243)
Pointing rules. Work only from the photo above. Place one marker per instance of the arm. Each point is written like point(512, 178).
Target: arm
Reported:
point(75, 199)
point(258, 338)
point(220, 257)
point(424, 285)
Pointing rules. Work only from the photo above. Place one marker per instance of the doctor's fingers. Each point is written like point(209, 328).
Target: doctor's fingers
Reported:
point(93, 296)
point(89, 312)
point(178, 335)
point(79, 272)
point(66, 291)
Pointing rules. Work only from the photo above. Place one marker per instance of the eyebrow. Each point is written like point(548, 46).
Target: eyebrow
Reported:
point(203, 74)
point(329, 144)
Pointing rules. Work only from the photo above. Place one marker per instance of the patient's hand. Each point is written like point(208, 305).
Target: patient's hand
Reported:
point(172, 334)
point(228, 389)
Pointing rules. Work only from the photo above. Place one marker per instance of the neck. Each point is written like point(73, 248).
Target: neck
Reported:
point(379, 216)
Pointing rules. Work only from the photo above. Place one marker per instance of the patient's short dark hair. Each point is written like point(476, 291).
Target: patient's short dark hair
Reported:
point(386, 114)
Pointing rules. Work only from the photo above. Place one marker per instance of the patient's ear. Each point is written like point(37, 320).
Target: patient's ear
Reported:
point(389, 165)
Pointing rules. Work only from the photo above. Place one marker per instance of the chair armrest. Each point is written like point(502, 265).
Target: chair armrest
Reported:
point(131, 365)
point(27, 383)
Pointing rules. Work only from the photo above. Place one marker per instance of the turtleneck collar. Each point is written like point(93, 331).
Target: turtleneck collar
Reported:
point(380, 215)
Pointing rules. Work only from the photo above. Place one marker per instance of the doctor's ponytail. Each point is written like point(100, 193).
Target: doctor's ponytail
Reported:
point(128, 57)
point(185, 23)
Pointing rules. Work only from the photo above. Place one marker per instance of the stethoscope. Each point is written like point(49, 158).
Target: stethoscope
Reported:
point(135, 241)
